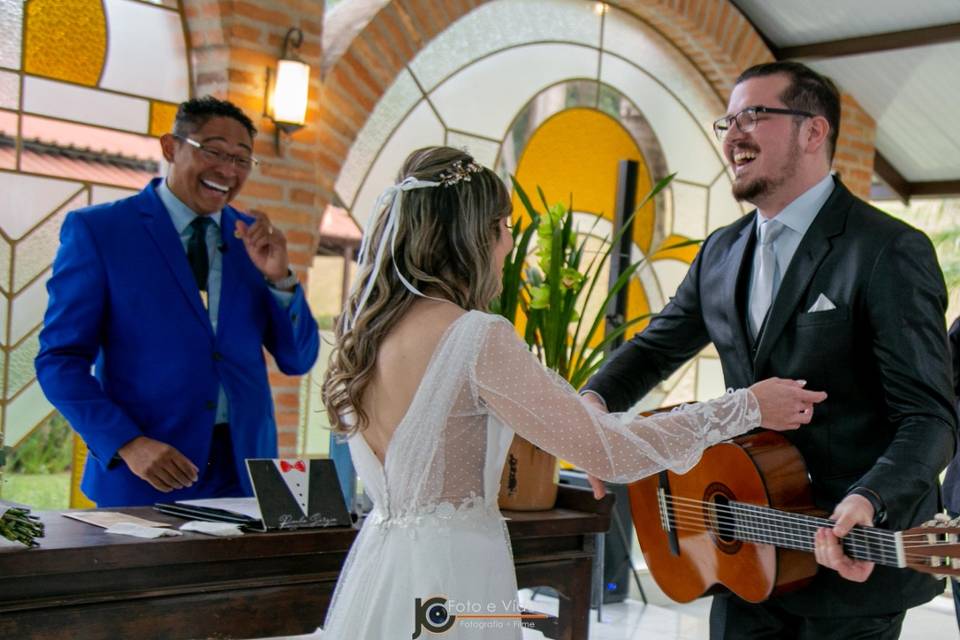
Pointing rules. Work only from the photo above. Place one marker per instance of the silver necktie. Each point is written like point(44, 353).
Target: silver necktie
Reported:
point(767, 277)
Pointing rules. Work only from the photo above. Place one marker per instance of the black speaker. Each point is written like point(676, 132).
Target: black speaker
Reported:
point(616, 552)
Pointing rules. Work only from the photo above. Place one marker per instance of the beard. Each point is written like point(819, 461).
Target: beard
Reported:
point(756, 189)
point(750, 190)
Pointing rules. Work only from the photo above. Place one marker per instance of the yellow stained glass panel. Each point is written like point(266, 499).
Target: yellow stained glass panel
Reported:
point(161, 117)
point(671, 248)
point(65, 40)
point(77, 498)
point(577, 152)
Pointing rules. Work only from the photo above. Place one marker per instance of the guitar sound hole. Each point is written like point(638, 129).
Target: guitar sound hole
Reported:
point(719, 518)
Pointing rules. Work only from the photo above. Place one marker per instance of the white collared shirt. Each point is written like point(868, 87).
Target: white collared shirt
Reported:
point(796, 218)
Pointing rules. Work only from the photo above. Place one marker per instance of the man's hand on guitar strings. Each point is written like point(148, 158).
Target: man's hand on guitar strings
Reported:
point(852, 510)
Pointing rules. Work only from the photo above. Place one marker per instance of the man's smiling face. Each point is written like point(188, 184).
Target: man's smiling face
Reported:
point(766, 158)
point(203, 183)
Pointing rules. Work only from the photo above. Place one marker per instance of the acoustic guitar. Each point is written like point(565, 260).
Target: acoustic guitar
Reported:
point(743, 518)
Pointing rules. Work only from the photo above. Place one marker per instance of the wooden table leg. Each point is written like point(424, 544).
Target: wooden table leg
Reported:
point(571, 578)
point(575, 601)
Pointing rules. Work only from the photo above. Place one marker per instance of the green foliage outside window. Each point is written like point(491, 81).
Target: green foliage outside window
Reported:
point(47, 450)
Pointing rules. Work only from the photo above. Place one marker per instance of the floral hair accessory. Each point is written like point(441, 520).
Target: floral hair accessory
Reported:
point(459, 171)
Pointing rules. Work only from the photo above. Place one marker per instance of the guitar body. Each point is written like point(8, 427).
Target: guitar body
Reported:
point(703, 554)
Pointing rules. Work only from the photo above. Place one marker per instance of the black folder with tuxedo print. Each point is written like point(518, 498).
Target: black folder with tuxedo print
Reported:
point(290, 494)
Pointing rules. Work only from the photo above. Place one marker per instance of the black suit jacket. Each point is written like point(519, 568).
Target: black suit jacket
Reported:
point(881, 355)
point(951, 482)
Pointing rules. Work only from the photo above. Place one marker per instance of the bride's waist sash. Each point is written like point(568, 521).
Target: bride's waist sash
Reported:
point(470, 513)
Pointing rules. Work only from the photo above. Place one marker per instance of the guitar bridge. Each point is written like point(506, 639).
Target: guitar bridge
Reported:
point(667, 515)
point(664, 518)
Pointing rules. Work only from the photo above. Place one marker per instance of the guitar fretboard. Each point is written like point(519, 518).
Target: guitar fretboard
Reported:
point(764, 525)
point(796, 531)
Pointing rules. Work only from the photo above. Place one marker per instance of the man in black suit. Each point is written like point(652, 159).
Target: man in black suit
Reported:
point(951, 482)
point(817, 285)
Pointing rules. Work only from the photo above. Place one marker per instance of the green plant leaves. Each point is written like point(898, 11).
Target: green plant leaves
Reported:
point(550, 292)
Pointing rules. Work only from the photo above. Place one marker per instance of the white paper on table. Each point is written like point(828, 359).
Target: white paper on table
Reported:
point(107, 519)
point(138, 531)
point(220, 529)
point(244, 506)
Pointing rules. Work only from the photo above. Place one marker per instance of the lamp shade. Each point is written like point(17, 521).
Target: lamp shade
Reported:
point(290, 92)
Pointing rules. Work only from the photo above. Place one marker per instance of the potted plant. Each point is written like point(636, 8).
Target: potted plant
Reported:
point(543, 299)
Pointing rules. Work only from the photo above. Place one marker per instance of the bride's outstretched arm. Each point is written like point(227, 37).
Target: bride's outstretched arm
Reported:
point(620, 447)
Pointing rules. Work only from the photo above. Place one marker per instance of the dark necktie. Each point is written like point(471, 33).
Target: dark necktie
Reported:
point(197, 251)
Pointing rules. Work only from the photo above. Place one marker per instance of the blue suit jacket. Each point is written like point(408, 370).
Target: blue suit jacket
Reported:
point(123, 298)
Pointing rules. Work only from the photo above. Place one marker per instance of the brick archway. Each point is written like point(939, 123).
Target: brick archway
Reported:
point(232, 43)
point(713, 34)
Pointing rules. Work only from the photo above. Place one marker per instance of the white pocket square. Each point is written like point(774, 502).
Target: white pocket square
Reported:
point(823, 303)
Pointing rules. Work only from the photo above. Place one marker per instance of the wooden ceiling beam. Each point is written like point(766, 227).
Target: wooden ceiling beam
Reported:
point(935, 188)
point(893, 178)
point(877, 43)
point(904, 189)
point(873, 43)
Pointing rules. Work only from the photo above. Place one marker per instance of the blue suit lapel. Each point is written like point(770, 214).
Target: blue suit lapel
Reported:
point(231, 255)
point(157, 222)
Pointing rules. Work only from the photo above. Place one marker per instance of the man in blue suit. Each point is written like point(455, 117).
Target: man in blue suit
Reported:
point(171, 295)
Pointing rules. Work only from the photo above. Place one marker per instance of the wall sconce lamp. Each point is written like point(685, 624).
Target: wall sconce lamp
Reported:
point(285, 102)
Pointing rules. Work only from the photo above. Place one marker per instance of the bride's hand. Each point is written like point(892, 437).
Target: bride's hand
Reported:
point(785, 404)
point(599, 488)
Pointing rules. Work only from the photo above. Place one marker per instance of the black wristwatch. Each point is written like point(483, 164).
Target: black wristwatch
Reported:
point(879, 508)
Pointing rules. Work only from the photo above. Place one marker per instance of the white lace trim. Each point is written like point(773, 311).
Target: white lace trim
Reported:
point(470, 509)
point(721, 427)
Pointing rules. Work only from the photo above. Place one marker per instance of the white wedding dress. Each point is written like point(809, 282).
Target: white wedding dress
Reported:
point(435, 530)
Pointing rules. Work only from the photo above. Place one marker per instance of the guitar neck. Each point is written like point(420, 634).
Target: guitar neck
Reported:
point(701, 517)
point(752, 523)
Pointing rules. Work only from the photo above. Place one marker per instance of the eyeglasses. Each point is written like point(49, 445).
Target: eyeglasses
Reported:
point(747, 119)
point(243, 163)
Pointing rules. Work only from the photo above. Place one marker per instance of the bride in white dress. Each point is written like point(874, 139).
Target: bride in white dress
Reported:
point(430, 391)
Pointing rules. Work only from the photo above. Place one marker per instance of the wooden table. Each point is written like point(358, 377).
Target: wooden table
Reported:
point(85, 584)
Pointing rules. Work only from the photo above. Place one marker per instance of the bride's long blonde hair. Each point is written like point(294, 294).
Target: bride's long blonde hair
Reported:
point(443, 244)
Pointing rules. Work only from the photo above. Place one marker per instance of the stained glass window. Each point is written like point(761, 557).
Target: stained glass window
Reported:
point(86, 87)
point(491, 83)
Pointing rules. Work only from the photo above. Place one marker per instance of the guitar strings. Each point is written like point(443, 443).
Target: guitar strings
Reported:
point(780, 519)
point(805, 544)
point(789, 523)
point(758, 512)
point(691, 521)
point(800, 537)
point(784, 528)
